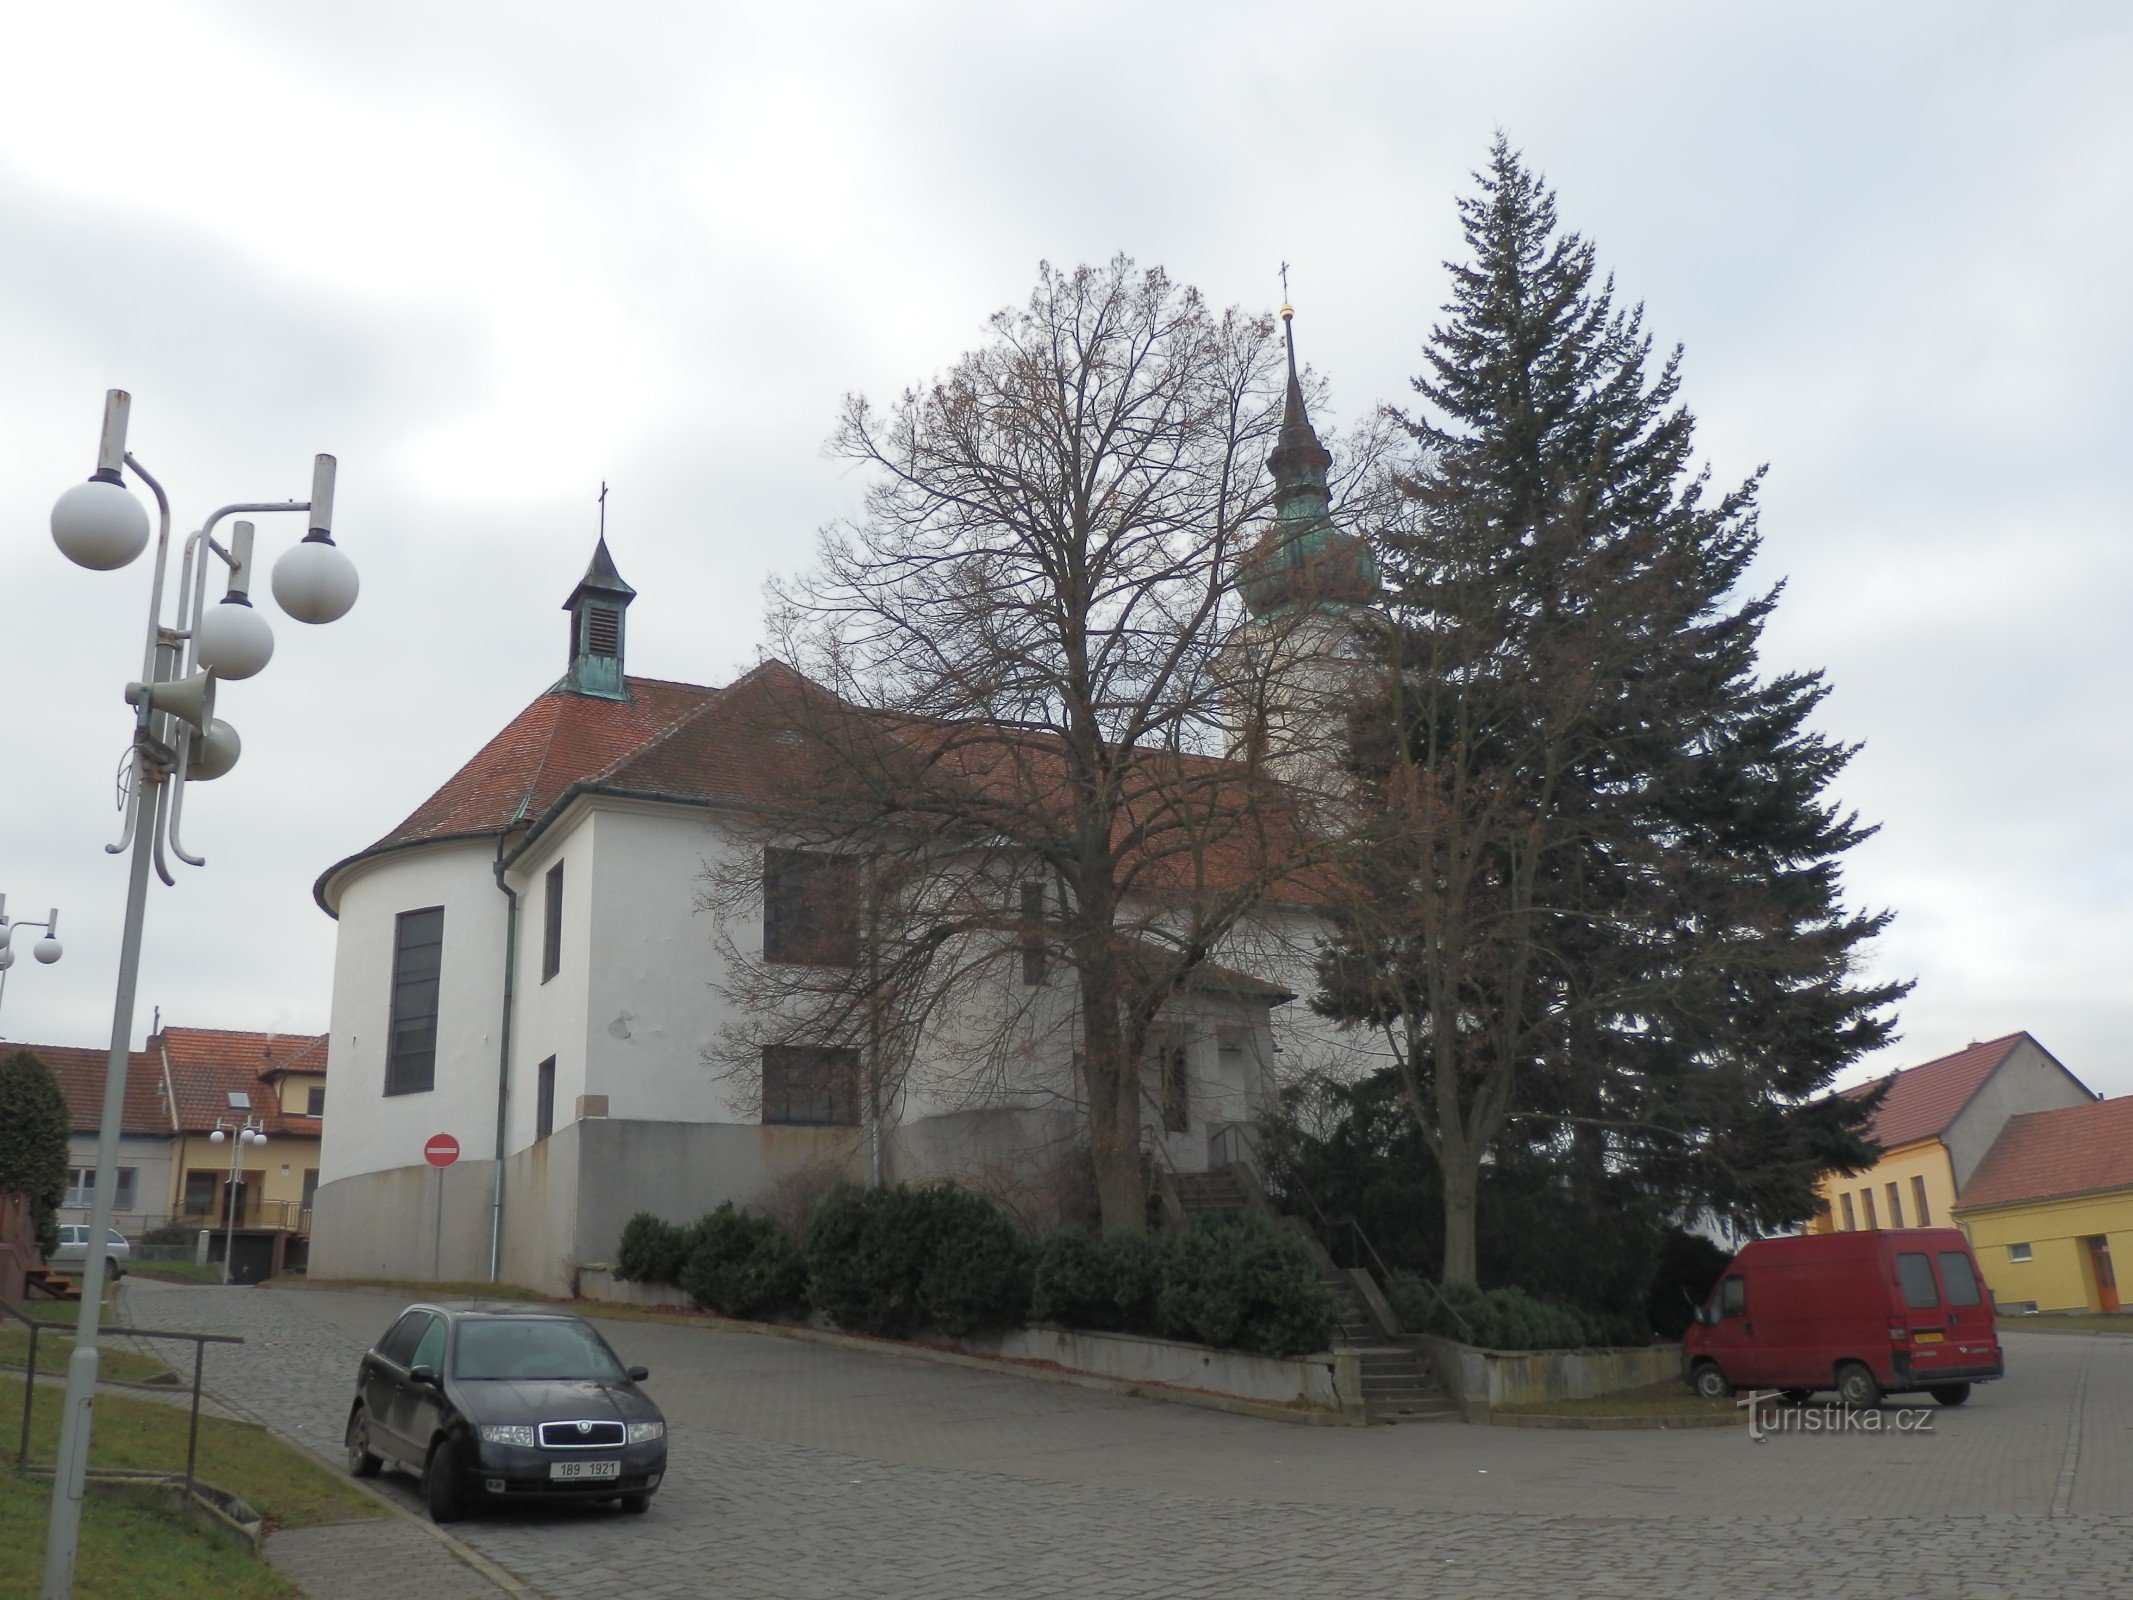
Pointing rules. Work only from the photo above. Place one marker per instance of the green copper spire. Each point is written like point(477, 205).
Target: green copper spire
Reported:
point(1303, 559)
point(597, 607)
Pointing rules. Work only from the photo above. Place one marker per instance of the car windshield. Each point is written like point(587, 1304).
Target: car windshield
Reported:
point(534, 1348)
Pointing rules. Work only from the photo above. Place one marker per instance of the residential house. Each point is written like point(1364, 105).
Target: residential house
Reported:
point(2051, 1206)
point(142, 1197)
point(179, 1088)
point(1935, 1126)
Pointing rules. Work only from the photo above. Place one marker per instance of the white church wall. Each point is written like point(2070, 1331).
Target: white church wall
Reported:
point(549, 1017)
point(369, 1130)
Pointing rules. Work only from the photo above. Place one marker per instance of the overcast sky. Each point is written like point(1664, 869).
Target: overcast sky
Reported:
point(491, 255)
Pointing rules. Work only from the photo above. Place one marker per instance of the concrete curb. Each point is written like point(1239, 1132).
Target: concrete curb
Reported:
point(1608, 1424)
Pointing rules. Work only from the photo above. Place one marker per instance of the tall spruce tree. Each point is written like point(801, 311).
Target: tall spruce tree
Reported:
point(1593, 893)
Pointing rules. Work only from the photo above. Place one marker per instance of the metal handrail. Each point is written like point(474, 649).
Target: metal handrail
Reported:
point(200, 1342)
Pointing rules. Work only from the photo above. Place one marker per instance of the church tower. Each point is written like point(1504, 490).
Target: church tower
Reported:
point(1293, 660)
point(597, 607)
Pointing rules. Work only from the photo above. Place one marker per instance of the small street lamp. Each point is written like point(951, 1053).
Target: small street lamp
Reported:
point(176, 737)
point(47, 950)
point(253, 1130)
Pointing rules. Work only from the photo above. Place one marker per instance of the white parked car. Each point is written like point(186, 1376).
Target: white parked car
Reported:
point(73, 1251)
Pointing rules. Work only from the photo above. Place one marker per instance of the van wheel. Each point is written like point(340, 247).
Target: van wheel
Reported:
point(1950, 1394)
point(1857, 1387)
point(1709, 1382)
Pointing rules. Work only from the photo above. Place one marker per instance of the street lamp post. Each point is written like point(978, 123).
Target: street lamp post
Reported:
point(47, 950)
point(252, 1130)
point(176, 737)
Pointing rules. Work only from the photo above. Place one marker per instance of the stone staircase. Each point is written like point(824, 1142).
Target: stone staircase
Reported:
point(1399, 1384)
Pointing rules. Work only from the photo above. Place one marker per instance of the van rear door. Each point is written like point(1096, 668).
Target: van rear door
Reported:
point(1942, 1311)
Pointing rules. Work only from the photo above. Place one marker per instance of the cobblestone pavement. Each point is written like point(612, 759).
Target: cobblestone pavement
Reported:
point(801, 1471)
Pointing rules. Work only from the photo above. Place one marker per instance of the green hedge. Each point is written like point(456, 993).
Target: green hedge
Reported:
point(743, 1266)
point(892, 1261)
point(1501, 1319)
point(1236, 1281)
point(652, 1250)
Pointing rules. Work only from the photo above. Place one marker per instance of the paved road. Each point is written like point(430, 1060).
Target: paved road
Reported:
point(801, 1471)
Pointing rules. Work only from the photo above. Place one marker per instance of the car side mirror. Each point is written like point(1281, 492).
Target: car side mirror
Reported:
point(424, 1375)
point(639, 1374)
point(1707, 1315)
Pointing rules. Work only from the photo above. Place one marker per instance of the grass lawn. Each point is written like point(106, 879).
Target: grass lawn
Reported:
point(287, 1487)
point(128, 1551)
point(1656, 1402)
point(2118, 1326)
point(414, 1290)
point(55, 1342)
point(177, 1271)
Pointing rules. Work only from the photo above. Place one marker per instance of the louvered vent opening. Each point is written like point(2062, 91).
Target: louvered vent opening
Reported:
point(603, 632)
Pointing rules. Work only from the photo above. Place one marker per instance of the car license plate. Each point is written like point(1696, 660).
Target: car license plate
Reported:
point(1928, 1338)
point(583, 1471)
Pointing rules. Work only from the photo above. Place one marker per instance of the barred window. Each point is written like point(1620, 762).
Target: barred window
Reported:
point(811, 1085)
point(810, 909)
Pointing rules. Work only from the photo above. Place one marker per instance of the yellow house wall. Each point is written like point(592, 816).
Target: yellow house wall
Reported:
point(1928, 1159)
point(274, 1171)
point(2058, 1276)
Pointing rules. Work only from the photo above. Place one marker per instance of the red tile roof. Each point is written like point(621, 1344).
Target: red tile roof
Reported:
point(207, 1065)
point(1924, 1099)
point(2043, 1155)
point(561, 739)
point(81, 1080)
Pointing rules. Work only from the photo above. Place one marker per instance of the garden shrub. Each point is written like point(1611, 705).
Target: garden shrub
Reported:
point(892, 1261)
point(1106, 1284)
point(743, 1266)
point(1501, 1319)
point(652, 1250)
point(978, 1270)
point(1238, 1282)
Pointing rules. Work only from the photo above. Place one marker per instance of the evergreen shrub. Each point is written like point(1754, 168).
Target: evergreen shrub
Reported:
point(1501, 1319)
point(652, 1250)
point(1238, 1282)
point(892, 1261)
point(742, 1266)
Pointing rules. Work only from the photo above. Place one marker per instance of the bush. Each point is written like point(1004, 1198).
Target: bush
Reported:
point(1238, 1282)
point(33, 1141)
point(743, 1266)
point(652, 1250)
point(892, 1261)
point(1501, 1319)
point(1108, 1284)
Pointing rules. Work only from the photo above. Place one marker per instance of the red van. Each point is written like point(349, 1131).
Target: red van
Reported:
point(1888, 1311)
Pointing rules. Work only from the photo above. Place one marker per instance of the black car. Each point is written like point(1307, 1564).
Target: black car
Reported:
point(512, 1403)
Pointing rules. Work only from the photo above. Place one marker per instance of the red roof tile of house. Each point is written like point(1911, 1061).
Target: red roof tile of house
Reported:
point(1924, 1099)
point(81, 1079)
point(2044, 1155)
point(208, 1065)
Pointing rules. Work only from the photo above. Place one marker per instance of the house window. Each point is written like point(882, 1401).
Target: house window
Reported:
point(1851, 1222)
point(1867, 1195)
point(199, 1198)
point(1033, 934)
point(81, 1188)
point(1170, 1082)
point(1918, 1203)
point(552, 925)
point(1895, 1207)
point(310, 1186)
point(544, 1100)
point(810, 909)
point(813, 1085)
point(2018, 1252)
point(418, 958)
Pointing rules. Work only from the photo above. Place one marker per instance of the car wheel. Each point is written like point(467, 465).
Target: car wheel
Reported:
point(1857, 1387)
point(637, 1504)
point(112, 1269)
point(1950, 1394)
point(440, 1483)
point(361, 1463)
point(1709, 1382)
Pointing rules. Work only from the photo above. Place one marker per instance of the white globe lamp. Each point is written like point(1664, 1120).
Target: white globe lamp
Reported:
point(214, 752)
point(233, 640)
point(99, 525)
point(315, 581)
point(215, 1137)
point(48, 951)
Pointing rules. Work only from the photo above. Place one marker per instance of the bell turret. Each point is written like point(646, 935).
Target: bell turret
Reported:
point(597, 607)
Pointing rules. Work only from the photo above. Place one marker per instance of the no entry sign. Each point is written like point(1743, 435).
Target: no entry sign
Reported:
point(441, 1151)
